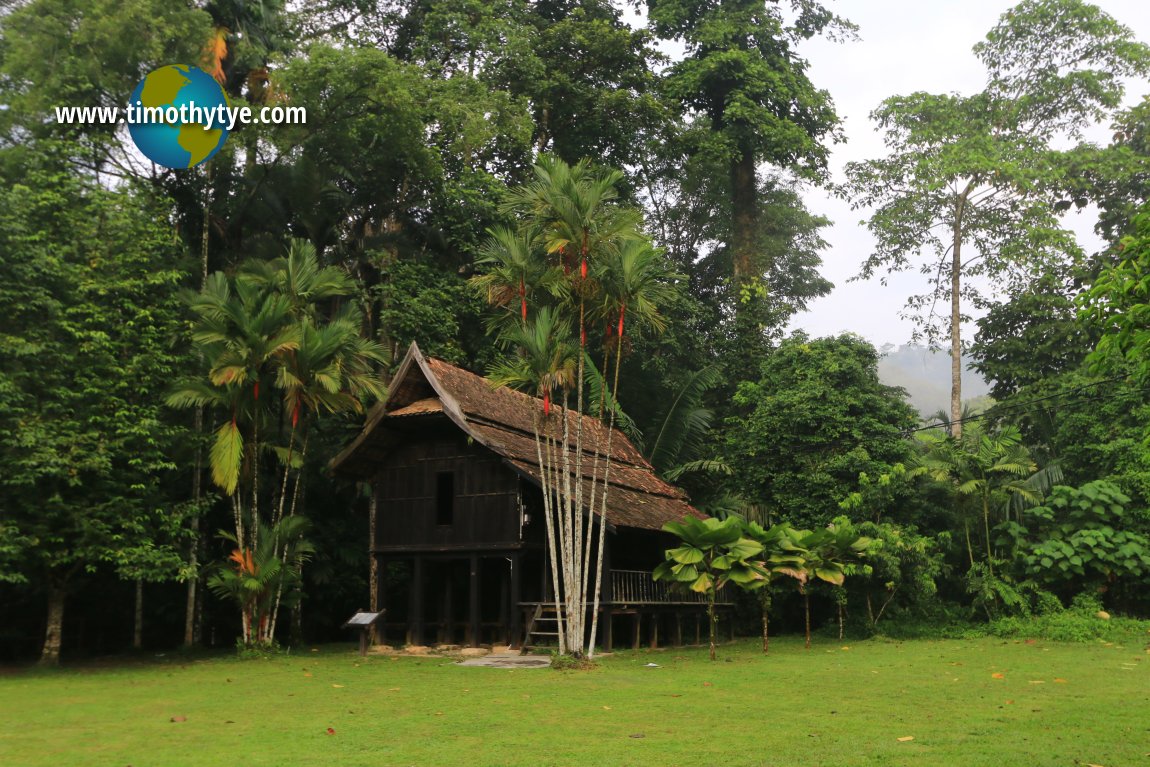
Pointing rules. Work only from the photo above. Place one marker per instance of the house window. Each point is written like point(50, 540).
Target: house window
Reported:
point(444, 498)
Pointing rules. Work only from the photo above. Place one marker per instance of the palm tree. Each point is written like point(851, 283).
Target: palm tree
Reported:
point(581, 257)
point(513, 268)
point(259, 574)
point(633, 275)
point(571, 208)
point(782, 555)
point(267, 328)
point(989, 468)
point(240, 334)
point(679, 439)
point(827, 555)
point(712, 553)
point(544, 362)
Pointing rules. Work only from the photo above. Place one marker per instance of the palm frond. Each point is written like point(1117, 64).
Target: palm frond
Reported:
point(685, 422)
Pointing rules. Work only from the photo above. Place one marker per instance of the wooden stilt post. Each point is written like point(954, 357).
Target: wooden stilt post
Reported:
point(638, 625)
point(446, 631)
point(654, 630)
point(415, 630)
point(516, 612)
point(678, 629)
point(504, 631)
point(379, 605)
point(473, 611)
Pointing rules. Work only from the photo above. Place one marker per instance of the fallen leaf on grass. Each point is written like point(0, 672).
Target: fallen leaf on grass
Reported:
point(179, 718)
point(331, 731)
point(439, 713)
point(606, 708)
point(846, 648)
point(337, 685)
point(393, 689)
point(905, 739)
point(1059, 680)
point(1038, 681)
point(1009, 702)
point(676, 695)
point(307, 674)
point(637, 735)
point(708, 684)
point(998, 675)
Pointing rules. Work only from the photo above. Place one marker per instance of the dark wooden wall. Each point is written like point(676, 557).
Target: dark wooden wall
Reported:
point(485, 510)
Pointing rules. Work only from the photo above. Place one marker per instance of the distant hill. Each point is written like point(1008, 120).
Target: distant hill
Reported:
point(925, 375)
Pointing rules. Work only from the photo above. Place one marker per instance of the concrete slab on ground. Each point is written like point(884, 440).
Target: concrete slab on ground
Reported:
point(508, 660)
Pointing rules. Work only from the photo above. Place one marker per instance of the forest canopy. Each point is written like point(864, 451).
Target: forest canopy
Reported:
point(603, 210)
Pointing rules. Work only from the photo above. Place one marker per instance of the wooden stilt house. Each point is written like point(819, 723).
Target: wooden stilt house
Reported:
point(458, 535)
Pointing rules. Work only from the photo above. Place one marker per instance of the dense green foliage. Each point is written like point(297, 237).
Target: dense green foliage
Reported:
point(816, 419)
point(181, 352)
point(89, 296)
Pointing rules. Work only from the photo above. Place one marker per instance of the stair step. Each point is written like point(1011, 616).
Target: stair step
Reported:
point(544, 633)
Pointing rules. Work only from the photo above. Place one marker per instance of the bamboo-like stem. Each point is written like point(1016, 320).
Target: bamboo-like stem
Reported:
point(591, 506)
point(550, 519)
point(291, 513)
point(581, 547)
point(570, 567)
point(606, 487)
point(238, 516)
point(284, 483)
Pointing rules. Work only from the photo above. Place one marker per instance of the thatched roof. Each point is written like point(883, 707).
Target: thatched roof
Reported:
point(502, 421)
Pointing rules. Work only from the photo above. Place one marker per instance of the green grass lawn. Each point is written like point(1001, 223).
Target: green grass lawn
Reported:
point(976, 702)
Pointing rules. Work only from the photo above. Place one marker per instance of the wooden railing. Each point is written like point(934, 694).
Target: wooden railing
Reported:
point(637, 587)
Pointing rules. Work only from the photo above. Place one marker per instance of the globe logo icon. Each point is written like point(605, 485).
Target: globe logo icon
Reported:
point(187, 94)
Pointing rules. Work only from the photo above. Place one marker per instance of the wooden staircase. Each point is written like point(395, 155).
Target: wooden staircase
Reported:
point(542, 626)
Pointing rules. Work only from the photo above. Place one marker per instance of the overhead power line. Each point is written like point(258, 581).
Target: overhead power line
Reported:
point(1027, 406)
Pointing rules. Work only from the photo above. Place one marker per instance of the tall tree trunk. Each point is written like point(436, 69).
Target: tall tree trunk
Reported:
point(54, 632)
point(986, 532)
point(765, 606)
point(969, 546)
point(744, 216)
point(373, 564)
point(192, 613)
point(712, 620)
point(807, 615)
point(956, 317)
point(138, 623)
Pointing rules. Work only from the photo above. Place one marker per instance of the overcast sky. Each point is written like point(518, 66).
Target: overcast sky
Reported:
point(904, 46)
